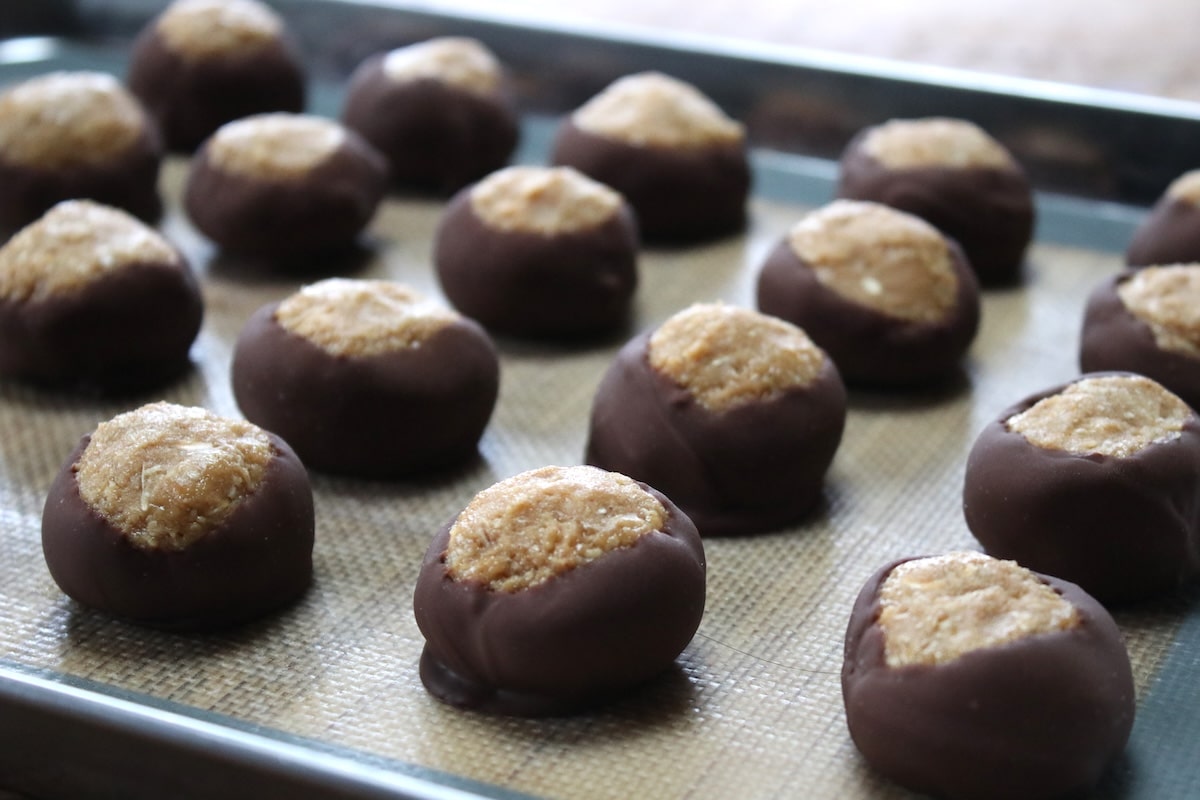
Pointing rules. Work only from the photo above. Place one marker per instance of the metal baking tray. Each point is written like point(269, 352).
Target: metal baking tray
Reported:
point(323, 701)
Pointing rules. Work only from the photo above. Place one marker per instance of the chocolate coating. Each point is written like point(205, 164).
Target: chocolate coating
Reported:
point(533, 284)
point(286, 220)
point(435, 137)
point(869, 347)
point(1114, 339)
point(571, 642)
point(988, 211)
point(1124, 529)
point(389, 415)
point(128, 181)
point(258, 560)
point(752, 468)
point(191, 97)
point(128, 330)
point(1040, 717)
point(678, 194)
point(1170, 234)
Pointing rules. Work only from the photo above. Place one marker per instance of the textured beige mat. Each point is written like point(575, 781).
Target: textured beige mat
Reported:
point(754, 709)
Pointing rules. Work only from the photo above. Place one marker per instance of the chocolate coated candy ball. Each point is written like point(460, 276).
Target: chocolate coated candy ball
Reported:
point(956, 177)
point(437, 110)
point(202, 63)
point(970, 678)
point(539, 252)
point(555, 590)
point(90, 298)
point(889, 298)
point(734, 414)
point(1097, 482)
point(284, 188)
point(669, 150)
point(367, 378)
point(175, 517)
point(1147, 322)
point(69, 135)
point(1171, 232)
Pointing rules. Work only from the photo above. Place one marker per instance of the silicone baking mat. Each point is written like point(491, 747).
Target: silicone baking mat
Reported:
point(754, 707)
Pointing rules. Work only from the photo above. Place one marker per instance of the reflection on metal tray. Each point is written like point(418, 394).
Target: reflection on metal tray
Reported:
point(323, 701)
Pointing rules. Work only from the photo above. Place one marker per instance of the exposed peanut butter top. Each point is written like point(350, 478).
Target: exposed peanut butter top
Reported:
point(201, 29)
point(935, 142)
point(884, 259)
point(73, 244)
point(544, 200)
point(726, 357)
point(934, 610)
point(1186, 188)
point(68, 119)
point(359, 318)
point(529, 528)
point(1113, 415)
point(275, 146)
point(454, 60)
point(1167, 299)
point(167, 475)
point(650, 109)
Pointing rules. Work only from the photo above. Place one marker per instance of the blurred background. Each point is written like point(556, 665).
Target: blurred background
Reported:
point(1142, 46)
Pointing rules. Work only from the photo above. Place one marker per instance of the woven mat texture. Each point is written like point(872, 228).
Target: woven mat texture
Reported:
point(754, 709)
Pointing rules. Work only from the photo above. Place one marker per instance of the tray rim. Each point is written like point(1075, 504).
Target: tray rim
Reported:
point(70, 707)
point(1145, 141)
point(809, 58)
point(1117, 126)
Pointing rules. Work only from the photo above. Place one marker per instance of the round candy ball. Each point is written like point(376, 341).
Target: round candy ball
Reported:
point(669, 150)
point(891, 299)
point(556, 590)
point(92, 299)
point(174, 517)
point(733, 414)
point(955, 176)
point(438, 111)
point(202, 63)
point(539, 252)
point(367, 378)
point(70, 135)
point(284, 188)
point(971, 678)
point(1096, 481)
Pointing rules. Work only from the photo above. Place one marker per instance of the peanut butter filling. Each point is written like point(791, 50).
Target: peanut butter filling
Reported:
point(726, 357)
point(650, 109)
point(1167, 300)
point(359, 318)
point(167, 475)
point(68, 119)
point(453, 60)
point(202, 29)
point(1186, 188)
point(935, 142)
point(875, 256)
point(275, 146)
point(529, 528)
point(1114, 415)
point(73, 244)
point(934, 610)
point(543, 200)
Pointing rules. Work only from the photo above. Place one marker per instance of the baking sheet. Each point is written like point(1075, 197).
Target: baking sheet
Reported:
point(754, 708)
